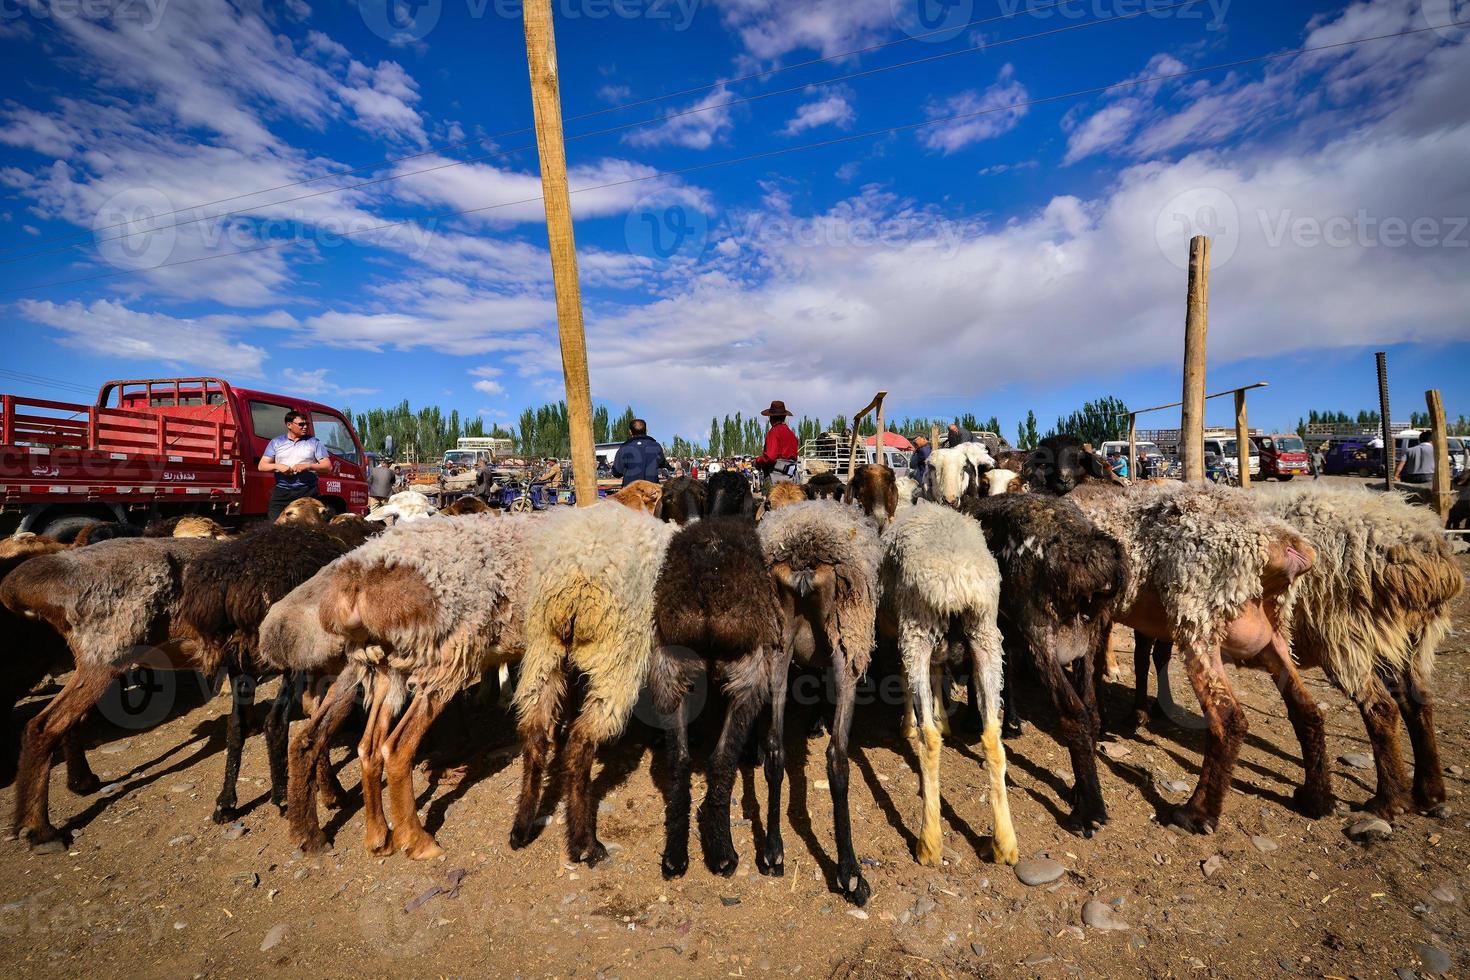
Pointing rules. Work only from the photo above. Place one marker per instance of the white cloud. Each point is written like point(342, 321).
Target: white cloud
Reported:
point(110, 328)
point(314, 384)
point(771, 29)
point(833, 108)
point(990, 113)
point(489, 387)
point(697, 127)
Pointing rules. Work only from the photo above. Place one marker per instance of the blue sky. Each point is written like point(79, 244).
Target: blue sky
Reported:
point(1020, 256)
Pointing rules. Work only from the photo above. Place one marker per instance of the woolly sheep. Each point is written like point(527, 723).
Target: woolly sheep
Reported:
point(408, 505)
point(940, 582)
point(955, 473)
point(783, 495)
point(683, 499)
point(824, 559)
point(590, 609)
point(115, 604)
point(427, 606)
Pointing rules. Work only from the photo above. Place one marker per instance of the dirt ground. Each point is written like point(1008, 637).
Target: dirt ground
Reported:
point(150, 887)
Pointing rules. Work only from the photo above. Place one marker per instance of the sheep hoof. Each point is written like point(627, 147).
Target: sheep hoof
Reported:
point(1010, 728)
point(314, 842)
point(423, 849)
point(853, 886)
point(1384, 807)
point(1440, 811)
point(1113, 676)
point(723, 865)
point(80, 785)
point(1313, 804)
point(1005, 854)
point(773, 866)
point(45, 840)
point(589, 855)
point(521, 836)
point(225, 813)
point(675, 867)
point(1192, 822)
point(907, 728)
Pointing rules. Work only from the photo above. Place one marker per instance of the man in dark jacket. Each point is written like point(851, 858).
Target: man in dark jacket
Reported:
point(641, 457)
point(958, 436)
point(919, 460)
point(380, 483)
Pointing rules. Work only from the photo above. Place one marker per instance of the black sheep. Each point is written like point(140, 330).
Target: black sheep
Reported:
point(729, 496)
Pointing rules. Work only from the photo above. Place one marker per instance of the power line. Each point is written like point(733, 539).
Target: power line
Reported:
point(1028, 9)
point(41, 381)
point(779, 151)
point(611, 129)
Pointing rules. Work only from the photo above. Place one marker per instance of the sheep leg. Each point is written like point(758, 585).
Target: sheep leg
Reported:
point(773, 857)
point(33, 775)
point(1074, 713)
point(1142, 649)
point(370, 755)
point(676, 807)
point(906, 723)
point(1416, 705)
point(1381, 720)
point(746, 694)
point(938, 689)
point(80, 778)
point(398, 752)
point(1227, 728)
point(1011, 719)
point(985, 664)
point(276, 730)
point(537, 728)
point(974, 720)
point(242, 699)
point(916, 646)
point(1314, 797)
point(308, 757)
point(850, 879)
point(577, 758)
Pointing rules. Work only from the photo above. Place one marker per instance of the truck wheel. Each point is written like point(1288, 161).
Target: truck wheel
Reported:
point(1285, 477)
point(65, 529)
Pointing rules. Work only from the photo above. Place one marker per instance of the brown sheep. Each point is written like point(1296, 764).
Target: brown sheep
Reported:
point(783, 495)
point(639, 495)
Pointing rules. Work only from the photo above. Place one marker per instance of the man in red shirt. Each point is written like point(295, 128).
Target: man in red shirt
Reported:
point(779, 459)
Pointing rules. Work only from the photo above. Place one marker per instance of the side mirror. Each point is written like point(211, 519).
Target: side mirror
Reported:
point(388, 446)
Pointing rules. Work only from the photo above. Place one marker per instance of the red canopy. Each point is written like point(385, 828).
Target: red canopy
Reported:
point(890, 439)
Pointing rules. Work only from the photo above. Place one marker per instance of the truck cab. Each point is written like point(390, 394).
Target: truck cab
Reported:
point(1283, 455)
point(1226, 449)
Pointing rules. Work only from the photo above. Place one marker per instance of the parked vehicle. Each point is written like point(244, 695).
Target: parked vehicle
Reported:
point(832, 450)
point(1282, 455)
point(1225, 447)
point(1352, 456)
point(158, 448)
point(1154, 461)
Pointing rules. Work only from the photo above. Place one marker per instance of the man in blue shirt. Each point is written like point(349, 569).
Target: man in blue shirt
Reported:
point(295, 458)
point(640, 457)
point(919, 460)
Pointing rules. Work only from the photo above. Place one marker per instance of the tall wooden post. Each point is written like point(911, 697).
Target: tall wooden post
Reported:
point(1242, 440)
point(546, 101)
point(1196, 327)
point(880, 455)
point(1441, 498)
point(1389, 463)
point(1133, 446)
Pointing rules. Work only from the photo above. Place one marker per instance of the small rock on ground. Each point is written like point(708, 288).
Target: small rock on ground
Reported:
point(1039, 871)
point(1115, 750)
point(923, 905)
point(1445, 894)
point(1097, 915)
point(273, 937)
point(1356, 760)
point(1174, 786)
point(1369, 829)
point(1264, 844)
point(1211, 864)
point(236, 830)
point(1435, 959)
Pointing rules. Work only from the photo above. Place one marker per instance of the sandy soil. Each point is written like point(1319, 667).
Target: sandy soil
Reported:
point(151, 887)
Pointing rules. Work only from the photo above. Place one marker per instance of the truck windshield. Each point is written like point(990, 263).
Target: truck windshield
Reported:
point(460, 458)
point(1290, 444)
point(333, 433)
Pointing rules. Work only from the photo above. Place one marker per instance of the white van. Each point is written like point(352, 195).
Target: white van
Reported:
point(1226, 449)
point(1151, 453)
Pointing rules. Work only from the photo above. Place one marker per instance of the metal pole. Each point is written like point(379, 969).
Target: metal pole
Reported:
point(1196, 328)
point(546, 101)
point(1387, 426)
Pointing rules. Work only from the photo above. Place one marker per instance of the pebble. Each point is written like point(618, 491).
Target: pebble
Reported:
point(1435, 959)
point(181, 788)
point(1356, 760)
point(273, 937)
point(1404, 973)
point(181, 925)
point(1115, 750)
point(1137, 942)
point(821, 784)
point(111, 789)
point(729, 900)
point(923, 905)
point(1456, 770)
point(605, 807)
point(116, 748)
point(181, 839)
point(1211, 864)
point(1445, 894)
point(977, 949)
point(1369, 829)
point(1174, 786)
point(1039, 871)
point(1074, 931)
point(236, 830)
point(49, 847)
point(1097, 915)
point(1264, 844)
point(857, 913)
point(1036, 959)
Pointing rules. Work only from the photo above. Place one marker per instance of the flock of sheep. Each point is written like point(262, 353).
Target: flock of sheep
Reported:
point(984, 571)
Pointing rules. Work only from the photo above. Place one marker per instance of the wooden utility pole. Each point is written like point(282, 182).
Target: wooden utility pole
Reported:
point(1133, 445)
point(1389, 463)
point(879, 451)
point(1441, 498)
point(1242, 440)
point(857, 439)
point(1196, 327)
point(546, 101)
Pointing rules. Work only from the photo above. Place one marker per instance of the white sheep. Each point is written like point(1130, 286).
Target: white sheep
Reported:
point(955, 473)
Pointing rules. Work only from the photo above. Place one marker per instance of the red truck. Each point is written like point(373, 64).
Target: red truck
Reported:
point(1283, 456)
point(158, 448)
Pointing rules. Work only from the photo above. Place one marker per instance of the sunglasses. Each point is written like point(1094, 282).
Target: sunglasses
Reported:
point(299, 422)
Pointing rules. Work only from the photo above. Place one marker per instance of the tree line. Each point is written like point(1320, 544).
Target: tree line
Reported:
point(1371, 418)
